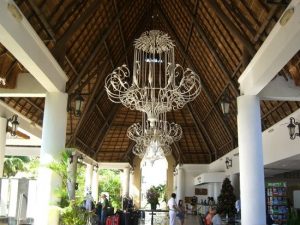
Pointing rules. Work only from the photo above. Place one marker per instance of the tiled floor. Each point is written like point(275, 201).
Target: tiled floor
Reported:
point(189, 220)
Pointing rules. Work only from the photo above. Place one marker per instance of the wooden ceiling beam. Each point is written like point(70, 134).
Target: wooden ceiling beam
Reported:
point(109, 55)
point(101, 142)
point(121, 30)
point(93, 99)
point(101, 113)
point(201, 129)
point(34, 104)
point(50, 32)
point(214, 5)
point(59, 49)
point(211, 48)
point(191, 63)
point(43, 20)
point(111, 118)
point(190, 30)
point(99, 44)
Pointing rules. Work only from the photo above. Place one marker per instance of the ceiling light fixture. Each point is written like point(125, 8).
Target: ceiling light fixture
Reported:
point(292, 128)
point(158, 84)
point(228, 163)
point(12, 125)
point(225, 102)
point(156, 136)
point(78, 104)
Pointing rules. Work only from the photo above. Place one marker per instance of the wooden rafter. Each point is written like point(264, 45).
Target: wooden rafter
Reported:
point(59, 49)
point(214, 5)
point(42, 19)
point(190, 61)
point(99, 44)
point(120, 29)
point(211, 48)
point(201, 129)
point(101, 91)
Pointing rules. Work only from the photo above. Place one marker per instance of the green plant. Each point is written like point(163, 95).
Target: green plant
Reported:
point(12, 165)
point(162, 189)
point(152, 195)
point(110, 182)
point(60, 168)
point(226, 200)
point(74, 215)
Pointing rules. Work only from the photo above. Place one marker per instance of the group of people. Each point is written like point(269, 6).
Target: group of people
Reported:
point(176, 210)
point(212, 217)
point(100, 209)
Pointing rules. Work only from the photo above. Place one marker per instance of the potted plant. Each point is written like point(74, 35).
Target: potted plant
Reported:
point(152, 196)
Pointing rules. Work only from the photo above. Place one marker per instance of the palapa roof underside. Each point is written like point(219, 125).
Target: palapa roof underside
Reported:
point(89, 38)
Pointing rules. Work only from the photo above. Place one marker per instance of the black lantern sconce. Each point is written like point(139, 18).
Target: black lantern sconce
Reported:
point(228, 163)
point(292, 128)
point(225, 103)
point(12, 125)
point(80, 159)
point(96, 167)
point(78, 104)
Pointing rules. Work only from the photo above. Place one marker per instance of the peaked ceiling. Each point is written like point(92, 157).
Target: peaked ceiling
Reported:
point(89, 38)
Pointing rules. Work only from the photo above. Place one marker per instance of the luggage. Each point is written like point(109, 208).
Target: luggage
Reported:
point(113, 220)
point(109, 220)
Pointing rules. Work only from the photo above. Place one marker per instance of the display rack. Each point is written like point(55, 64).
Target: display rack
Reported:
point(277, 202)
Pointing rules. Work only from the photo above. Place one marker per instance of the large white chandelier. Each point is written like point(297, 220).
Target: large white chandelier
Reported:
point(158, 84)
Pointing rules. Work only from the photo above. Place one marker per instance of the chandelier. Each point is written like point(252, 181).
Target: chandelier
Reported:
point(154, 138)
point(158, 84)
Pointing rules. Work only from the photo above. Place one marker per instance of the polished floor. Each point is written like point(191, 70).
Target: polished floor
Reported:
point(189, 220)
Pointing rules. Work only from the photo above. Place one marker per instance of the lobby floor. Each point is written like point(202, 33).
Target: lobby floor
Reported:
point(189, 220)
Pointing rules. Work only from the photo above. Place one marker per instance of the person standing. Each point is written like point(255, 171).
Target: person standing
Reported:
point(172, 209)
point(104, 209)
point(181, 212)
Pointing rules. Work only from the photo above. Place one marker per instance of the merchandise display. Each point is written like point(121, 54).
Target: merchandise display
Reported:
point(277, 202)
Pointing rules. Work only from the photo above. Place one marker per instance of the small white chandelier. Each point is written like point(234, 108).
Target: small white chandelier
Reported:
point(158, 84)
point(155, 136)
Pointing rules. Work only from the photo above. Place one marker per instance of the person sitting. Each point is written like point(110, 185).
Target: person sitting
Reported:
point(208, 217)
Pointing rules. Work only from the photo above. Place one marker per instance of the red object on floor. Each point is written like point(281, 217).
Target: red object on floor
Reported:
point(109, 220)
point(113, 220)
point(116, 220)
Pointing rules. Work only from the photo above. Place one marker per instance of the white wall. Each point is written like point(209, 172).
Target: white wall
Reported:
point(276, 146)
point(190, 172)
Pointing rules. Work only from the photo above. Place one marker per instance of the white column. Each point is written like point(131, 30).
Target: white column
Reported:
point(53, 143)
point(180, 184)
point(88, 177)
point(131, 181)
point(95, 185)
point(125, 185)
point(72, 172)
point(216, 190)
point(3, 122)
point(251, 161)
point(210, 190)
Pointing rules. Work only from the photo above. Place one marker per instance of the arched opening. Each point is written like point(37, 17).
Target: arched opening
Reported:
point(153, 174)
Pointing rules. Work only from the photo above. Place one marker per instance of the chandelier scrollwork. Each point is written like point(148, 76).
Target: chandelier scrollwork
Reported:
point(158, 84)
point(154, 137)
